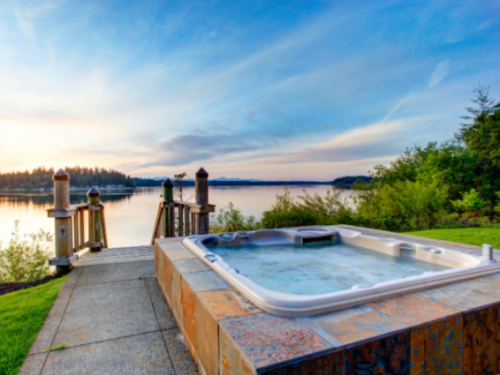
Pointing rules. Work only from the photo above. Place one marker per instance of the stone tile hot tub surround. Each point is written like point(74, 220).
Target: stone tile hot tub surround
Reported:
point(453, 329)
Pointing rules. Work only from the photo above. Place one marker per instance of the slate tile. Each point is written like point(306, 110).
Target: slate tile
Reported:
point(203, 281)
point(353, 325)
point(331, 364)
point(390, 355)
point(482, 341)
point(463, 296)
point(190, 266)
point(267, 339)
point(413, 310)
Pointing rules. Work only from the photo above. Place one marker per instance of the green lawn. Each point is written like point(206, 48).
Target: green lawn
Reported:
point(22, 315)
point(471, 236)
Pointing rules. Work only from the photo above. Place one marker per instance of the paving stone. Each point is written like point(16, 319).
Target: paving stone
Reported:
point(33, 364)
point(48, 332)
point(413, 310)
point(353, 325)
point(105, 311)
point(267, 339)
point(179, 353)
point(138, 355)
point(163, 313)
point(112, 272)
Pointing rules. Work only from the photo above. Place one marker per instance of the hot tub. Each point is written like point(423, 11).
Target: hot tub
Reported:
point(312, 270)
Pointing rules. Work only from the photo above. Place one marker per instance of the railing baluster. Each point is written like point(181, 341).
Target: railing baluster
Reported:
point(181, 220)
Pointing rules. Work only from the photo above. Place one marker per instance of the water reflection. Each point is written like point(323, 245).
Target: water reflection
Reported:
point(130, 214)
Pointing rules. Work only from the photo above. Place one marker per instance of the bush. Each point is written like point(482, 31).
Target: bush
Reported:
point(25, 260)
point(285, 213)
point(471, 202)
point(230, 219)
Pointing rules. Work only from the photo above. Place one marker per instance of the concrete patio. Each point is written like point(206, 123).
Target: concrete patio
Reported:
point(112, 315)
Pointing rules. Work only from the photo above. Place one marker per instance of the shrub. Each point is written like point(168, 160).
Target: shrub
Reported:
point(230, 219)
point(27, 259)
point(471, 202)
point(285, 213)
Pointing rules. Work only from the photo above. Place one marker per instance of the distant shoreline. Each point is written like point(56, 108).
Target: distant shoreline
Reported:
point(157, 183)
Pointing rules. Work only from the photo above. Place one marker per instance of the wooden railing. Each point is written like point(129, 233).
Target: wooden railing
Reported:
point(70, 224)
point(178, 218)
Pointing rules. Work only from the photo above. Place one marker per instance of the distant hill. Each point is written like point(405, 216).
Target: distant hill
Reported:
point(152, 182)
point(222, 179)
point(348, 181)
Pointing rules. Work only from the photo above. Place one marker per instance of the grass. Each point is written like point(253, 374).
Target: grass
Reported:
point(470, 236)
point(58, 347)
point(22, 315)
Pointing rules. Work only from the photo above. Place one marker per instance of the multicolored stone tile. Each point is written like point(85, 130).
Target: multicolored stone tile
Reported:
point(488, 285)
point(390, 355)
point(444, 346)
point(227, 303)
point(180, 254)
point(467, 295)
point(207, 340)
point(413, 310)
point(213, 306)
point(482, 341)
point(417, 350)
point(267, 339)
point(189, 318)
point(167, 278)
point(203, 281)
point(328, 364)
point(437, 348)
point(190, 265)
point(176, 296)
point(353, 325)
point(231, 359)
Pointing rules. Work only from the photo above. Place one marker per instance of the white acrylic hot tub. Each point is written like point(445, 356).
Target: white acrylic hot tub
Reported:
point(459, 266)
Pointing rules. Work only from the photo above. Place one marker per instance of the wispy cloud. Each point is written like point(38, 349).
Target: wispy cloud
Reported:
point(440, 72)
point(170, 85)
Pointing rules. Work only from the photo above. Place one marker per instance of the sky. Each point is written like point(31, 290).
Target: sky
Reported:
point(275, 90)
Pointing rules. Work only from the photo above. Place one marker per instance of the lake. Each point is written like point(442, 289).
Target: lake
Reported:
point(130, 215)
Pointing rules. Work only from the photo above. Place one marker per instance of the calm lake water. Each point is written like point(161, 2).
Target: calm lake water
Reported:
point(130, 215)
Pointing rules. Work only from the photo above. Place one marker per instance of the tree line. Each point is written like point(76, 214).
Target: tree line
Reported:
point(451, 184)
point(79, 177)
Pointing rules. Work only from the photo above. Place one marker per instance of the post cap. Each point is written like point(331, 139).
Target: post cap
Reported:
point(167, 183)
point(60, 175)
point(201, 173)
point(93, 192)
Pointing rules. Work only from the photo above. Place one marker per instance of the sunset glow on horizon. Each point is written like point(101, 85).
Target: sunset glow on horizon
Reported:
point(302, 90)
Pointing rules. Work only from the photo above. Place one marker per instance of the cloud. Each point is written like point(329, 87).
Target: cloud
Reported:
point(440, 72)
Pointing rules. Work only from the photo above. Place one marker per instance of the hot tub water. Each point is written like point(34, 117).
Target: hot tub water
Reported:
point(319, 268)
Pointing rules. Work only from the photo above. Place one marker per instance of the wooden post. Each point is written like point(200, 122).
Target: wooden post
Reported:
point(201, 225)
point(168, 197)
point(186, 220)
point(62, 234)
point(181, 220)
point(95, 219)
